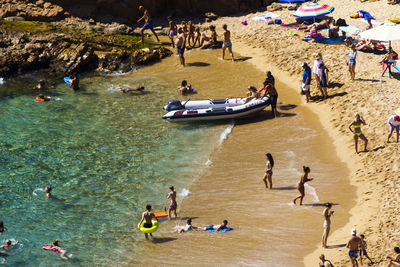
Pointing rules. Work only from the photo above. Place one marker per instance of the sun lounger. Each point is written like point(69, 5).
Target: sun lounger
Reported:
point(266, 16)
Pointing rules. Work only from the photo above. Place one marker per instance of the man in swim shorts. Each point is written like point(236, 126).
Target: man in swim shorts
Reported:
point(173, 206)
point(394, 123)
point(148, 25)
point(147, 216)
point(227, 42)
point(353, 245)
point(180, 43)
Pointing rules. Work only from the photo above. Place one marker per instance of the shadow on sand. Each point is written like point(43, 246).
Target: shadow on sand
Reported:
point(197, 64)
point(319, 204)
point(285, 188)
point(336, 246)
point(262, 116)
point(159, 240)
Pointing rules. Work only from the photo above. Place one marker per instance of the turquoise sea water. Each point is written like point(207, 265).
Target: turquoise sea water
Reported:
point(106, 154)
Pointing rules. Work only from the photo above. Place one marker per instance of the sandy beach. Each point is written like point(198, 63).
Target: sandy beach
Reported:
point(374, 173)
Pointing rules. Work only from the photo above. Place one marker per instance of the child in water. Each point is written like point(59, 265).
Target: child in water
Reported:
point(189, 227)
point(184, 88)
point(47, 190)
point(42, 98)
point(129, 89)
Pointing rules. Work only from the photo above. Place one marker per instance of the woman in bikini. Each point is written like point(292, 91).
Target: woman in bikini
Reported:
point(327, 213)
point(190, 33)
point(300, 185)
point(227, 42)
point(357, 132)
point(206, 41)
point(268, 171)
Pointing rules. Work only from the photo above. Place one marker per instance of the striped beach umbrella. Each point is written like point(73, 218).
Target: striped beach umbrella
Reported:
point(313, 10)
point(293, 1)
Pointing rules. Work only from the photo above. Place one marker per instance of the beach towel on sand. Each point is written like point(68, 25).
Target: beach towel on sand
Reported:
point(365, 15)
point(331, 40)
point(265, 16)
point(348, 29)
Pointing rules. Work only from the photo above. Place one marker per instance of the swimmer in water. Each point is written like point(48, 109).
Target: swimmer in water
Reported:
point(128, 89)
point(8, 245)
point(43, 98)
point(184, 88)
point(47, 190)
point(147, 217)
point(189, 227)
point(268, 171)
point(55, 246)
point(2, 228)
point(300, 185)
point(358, 133)
point(222, 226)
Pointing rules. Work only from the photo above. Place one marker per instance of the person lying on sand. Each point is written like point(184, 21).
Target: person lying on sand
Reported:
point(394, 261)
point(324, 24)
point(365, 46)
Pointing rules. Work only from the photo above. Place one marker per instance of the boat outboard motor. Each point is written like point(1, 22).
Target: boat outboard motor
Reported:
point(174, 105)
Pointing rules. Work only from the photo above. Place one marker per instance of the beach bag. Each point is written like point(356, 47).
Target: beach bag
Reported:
point(278, 21)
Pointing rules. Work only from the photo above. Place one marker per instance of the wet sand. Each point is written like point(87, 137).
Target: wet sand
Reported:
point(269, 230)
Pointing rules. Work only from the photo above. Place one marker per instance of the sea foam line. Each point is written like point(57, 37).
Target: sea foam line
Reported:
point(311, 191)
point(224, 135)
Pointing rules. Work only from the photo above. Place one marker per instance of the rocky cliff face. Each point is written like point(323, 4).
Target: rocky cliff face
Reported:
point(127, 10)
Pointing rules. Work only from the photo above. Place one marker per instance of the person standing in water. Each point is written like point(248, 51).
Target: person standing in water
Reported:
point(173, 206)
point(148, 25)
point(147, 217)
point(268, 171)
point(327, 213)
point(172, 30)
point(227, 42)
point(300, 185)
point(358, 133)
point(74, 82)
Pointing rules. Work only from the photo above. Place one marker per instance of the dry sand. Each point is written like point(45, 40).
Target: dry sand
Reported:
point(375, 173)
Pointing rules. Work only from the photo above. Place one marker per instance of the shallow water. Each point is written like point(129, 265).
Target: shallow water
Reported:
point(106, 154)
point(269, 229)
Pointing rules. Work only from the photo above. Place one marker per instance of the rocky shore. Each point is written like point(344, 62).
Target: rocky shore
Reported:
point(43, 36)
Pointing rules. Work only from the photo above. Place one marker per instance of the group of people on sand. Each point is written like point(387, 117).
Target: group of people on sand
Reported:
point(321, 74)
point(148, 216)
point(186, 35)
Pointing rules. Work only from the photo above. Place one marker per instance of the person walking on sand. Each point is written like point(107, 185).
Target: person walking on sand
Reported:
point(300, 185)
point(148, 23)
point(394, 123)
point(180, 43)
point(268, 171)
point(353, 245)
point(227, 42)
point(324, 262)
point(358, 133)
point(327, 213)
point(352, 61)
point(324, 80)
point(147, 216)
point(173, 30)
point(305, 85)
point(394, 261)
point(363, 250)
point(317, 71)
point(173, 206)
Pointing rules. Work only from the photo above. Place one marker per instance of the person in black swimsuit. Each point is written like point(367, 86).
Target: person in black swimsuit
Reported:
point(147, 216)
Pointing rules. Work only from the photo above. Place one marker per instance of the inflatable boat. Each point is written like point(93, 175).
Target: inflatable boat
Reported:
point(213, 109)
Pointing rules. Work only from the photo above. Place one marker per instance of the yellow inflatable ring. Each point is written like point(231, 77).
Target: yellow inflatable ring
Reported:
point(149, 230)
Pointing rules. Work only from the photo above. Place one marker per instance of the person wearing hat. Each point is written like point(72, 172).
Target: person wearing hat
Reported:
point(394, 123)
point(353, 245)
point(305, 85)
point(316, 69)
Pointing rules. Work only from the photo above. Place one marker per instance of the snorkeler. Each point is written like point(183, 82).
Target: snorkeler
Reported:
point(129, 89)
